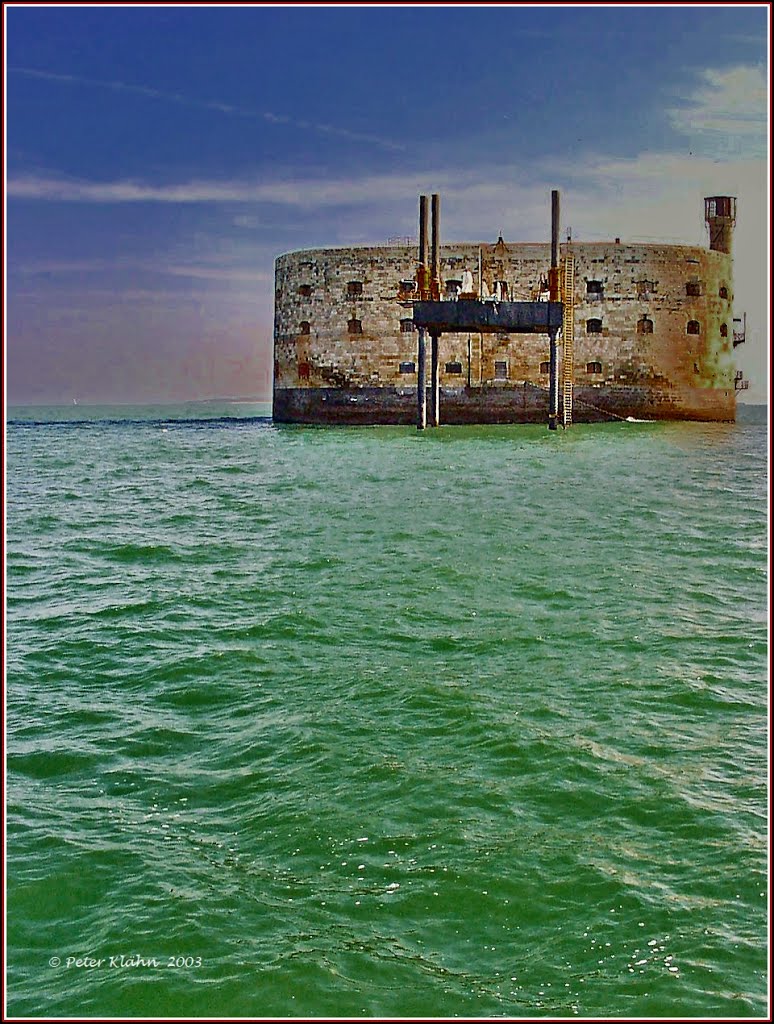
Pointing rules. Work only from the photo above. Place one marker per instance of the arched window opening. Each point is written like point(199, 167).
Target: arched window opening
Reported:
point(693, 288)
point(354, 326)
point(593, 327)
point(644, 325)
point(693, 327)
point(545, 367)
point(595, 367)
point(355, 288)
point(724, 330)
point(406, 326)
point(304, 327)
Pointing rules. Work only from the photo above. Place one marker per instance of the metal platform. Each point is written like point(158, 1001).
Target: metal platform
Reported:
point(492, 317)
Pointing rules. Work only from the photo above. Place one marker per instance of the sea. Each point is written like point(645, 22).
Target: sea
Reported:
point(311, 722)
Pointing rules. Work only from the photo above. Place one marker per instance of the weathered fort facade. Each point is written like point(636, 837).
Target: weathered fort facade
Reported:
point(653, 332)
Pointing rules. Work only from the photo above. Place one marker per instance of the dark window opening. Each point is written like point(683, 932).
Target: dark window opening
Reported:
point(454, 367)
point(305, 290)
point(406, 326)
point(644, 325)
point(724, 330)
point(593, 327)
point(694, 327)
point(645, 289)
point(354, 326)
point(355, 288)
point(545, 367)
point(693, 288)
point(406, 287)
point(501, 369)
point(304, 327)
point(408, 368)
point(304, 371)
point(723, 292)
point(593, 367)
point(594, 291)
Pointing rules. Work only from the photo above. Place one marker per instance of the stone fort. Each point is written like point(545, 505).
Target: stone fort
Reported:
point(653, 332)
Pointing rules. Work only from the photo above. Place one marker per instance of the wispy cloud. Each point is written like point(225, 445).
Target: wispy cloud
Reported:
point(212, 105)
point(727, 114)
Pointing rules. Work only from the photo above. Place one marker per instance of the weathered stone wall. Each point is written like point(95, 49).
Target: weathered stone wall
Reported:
point(633, 307)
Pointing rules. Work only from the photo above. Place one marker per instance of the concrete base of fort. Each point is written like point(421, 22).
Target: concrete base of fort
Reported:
point(513, 403)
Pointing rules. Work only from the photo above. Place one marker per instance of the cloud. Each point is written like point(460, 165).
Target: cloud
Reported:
point(211, 105)
point(727, 113)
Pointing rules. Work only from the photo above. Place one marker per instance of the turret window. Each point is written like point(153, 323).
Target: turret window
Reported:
point(304, 327)
point(355, 288)
point(644, 325)
point(545, 367)
point(724, 330)
point(645, 289)
point(595, 367)
point(723, 293)
point(406, 326)
point(693, 288)
point(593, 327)
point(693, 327)
point(354, 326)
point(305, 290)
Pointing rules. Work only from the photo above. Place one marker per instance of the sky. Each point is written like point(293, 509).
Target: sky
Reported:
point(159, 159)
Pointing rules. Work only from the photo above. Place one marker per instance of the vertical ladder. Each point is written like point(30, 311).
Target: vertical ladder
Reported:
point(568, 330)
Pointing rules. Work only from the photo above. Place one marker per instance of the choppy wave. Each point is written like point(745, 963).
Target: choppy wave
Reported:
point(378, 724)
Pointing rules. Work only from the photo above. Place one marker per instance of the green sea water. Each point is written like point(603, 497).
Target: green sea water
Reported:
point(366, 722)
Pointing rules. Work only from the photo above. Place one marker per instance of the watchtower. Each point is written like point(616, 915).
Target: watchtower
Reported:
point(720, 215)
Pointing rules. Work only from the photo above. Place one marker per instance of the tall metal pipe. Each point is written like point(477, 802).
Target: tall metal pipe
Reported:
point(422, 338)
point(423, 232)
point(554, 228)
point(435, 389)
point(554, 296)
point(435, 251)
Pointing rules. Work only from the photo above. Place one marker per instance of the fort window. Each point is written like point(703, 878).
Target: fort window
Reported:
point(645, 289)
point(644, 325)
point(406, 288)
point(354, 326)
point(408, 368)
point(545, 367)
point(593, 327)
point(454, 367)
point(593, 367)
point(723, 293)
point(305, 290)
point(501, 369)
point(694, 327)
point(724, 330)
point(304, 327)
point(406, 326)
point(355, 288)
point(693, 288)
point(303, 371)
point(594, 291)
